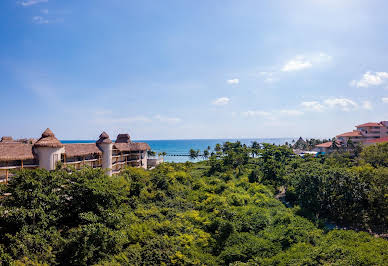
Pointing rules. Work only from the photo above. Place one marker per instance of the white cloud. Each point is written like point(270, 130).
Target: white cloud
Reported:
point(269, 77)
point(40, 20)
point(43, 20)
point(233, 81)
point(370, 79)
point(168, 120)
point(343, 103)
point(296, 64)
point(306, 61)
point(257, 114)
point(291, 112)
point(313, 106)
point(384, 99)
point(221, 101)
point(32, 2)
point(367, 105)
point(44, 11)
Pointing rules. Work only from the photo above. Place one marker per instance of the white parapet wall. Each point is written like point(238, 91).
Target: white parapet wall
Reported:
point(153, 162)
point(48, 157)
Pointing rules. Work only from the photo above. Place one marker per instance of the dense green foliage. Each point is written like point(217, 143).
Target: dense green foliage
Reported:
point(217, 212)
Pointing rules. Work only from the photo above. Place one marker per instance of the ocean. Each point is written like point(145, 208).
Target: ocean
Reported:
point(174, 147)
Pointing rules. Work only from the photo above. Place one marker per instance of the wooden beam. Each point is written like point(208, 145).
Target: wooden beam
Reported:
point(22, 164)
point(6, 176)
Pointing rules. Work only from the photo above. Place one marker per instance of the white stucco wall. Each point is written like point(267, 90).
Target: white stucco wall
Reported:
point(144, 159)
point(107, 157)
point(48, 157)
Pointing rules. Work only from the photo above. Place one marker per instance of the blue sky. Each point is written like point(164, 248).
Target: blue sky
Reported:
point(192, 68)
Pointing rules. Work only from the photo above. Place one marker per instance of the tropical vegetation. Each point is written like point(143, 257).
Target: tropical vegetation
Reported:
point(245, 205)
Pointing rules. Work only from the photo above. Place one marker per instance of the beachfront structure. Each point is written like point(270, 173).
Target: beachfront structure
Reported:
point(48, 151)
point(326, 147)
point(364, 133)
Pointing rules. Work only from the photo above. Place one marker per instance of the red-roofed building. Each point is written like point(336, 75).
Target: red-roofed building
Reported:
point(374, 130)
point(325, 147)
point(374, 141)
point(365, 132)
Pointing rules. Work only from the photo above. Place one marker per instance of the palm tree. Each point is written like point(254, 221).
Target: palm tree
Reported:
point(205, 154)
point(193, 154)
point(350, 144)
point(334, 145)
point(151, 153)
point(218, 147)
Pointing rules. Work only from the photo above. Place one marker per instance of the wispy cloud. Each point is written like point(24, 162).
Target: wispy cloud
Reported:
point(367, 105)
point(291, 112)
point(233, 81)
point(384, 99)
point(44, 11)
point(301, 62)
point(103, 112)
point(40, 20)
point(296, 64)
point(257, 113)
point(32, 2)
point(342, 103)
point(168, 120)
point(43, 20)
point(272, 115)
point(313, 106)
point(221, 101)
point(370, 79)
point(269, 77)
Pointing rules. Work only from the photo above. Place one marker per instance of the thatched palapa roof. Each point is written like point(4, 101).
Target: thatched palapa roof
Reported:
point(6, 139)
point(15, 151)
point(133, 146)
point(104, 138)
point(48, 139)
point(81, 149)
point(123, 138)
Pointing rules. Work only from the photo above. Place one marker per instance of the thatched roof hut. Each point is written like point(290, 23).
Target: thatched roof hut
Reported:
point(6, 139)
point(133, 146)
point(48, 139)
point(81, 149)
point(15, 151)
point(104, 138)
point(123, 138)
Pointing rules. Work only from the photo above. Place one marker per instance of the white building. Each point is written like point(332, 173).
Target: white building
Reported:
point(48, 151)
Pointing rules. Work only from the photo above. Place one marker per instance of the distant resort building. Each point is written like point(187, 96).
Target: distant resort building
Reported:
point(48, 151)
point(365, 134)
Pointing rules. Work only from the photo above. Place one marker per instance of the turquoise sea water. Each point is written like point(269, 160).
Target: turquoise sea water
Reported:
point(174, 147)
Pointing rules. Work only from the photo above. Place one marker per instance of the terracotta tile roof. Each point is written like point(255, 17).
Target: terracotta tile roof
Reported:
point(133, 146)
point(48, 139)
point(325, 145)
point(370, 124)
point(81, 149)
point(354, 133)
point(15, 151)
point(379, 140)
